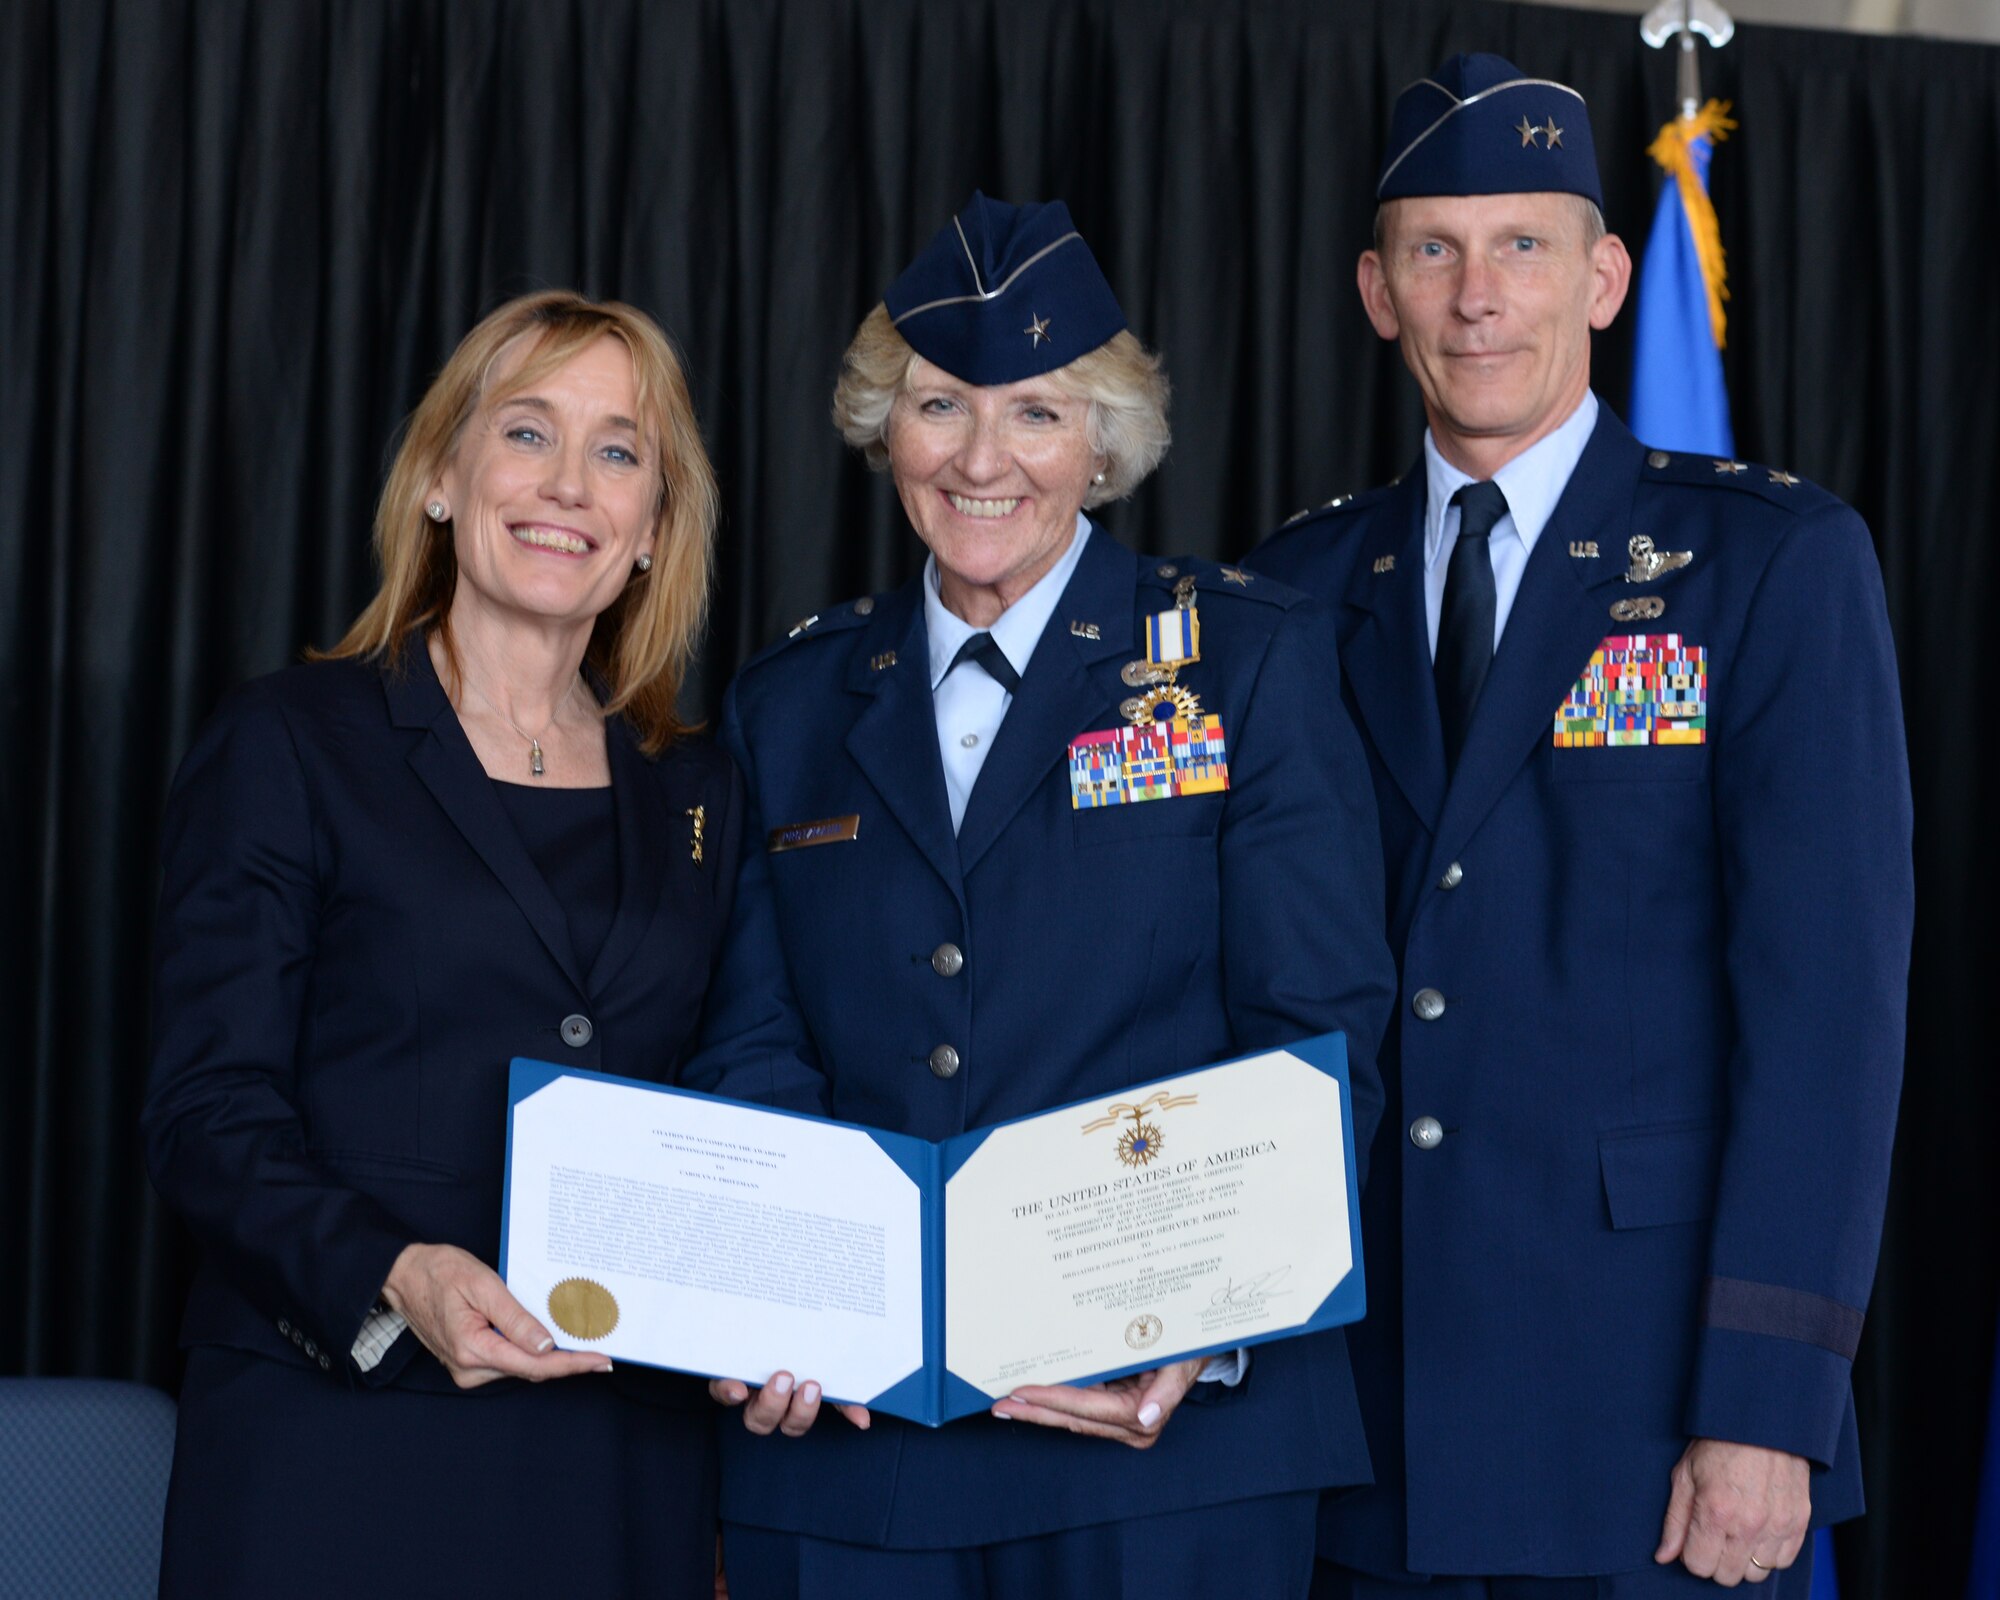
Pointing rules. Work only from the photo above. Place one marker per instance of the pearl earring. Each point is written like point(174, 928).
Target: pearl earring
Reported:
point(1098, 480)
point(644, 563)
point(435, 511)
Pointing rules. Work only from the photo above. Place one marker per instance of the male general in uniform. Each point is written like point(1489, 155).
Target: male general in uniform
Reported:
point(1638, 753)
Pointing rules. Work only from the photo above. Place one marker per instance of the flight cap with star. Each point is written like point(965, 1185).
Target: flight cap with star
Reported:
point(1004, 292)
point(1480, 125)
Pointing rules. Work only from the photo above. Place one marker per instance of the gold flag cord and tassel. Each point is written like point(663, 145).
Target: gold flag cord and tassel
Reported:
point(1670, 150)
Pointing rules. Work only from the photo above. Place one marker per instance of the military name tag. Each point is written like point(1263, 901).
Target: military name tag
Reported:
point(828, 830)
point(1639, 689)
point(1118, 766)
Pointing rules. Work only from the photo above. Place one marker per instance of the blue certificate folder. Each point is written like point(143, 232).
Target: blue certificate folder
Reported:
point(935, 1394)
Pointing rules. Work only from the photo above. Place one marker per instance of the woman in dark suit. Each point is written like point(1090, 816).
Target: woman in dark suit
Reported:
point(474, 830)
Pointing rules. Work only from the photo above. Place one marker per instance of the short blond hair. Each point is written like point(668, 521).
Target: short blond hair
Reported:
point(1121, 380)
point(644, 642)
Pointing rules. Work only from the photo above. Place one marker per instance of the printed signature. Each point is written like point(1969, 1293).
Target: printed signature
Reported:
point(1265, 1286)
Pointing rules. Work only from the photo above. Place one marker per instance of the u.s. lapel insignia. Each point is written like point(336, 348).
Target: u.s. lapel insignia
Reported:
point(1383, 564)
point(1084, 630)
point(1648, 563)
point(1583, 549)
point(883, 662)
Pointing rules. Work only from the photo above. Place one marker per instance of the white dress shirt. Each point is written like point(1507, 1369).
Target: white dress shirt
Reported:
point(1532, 482)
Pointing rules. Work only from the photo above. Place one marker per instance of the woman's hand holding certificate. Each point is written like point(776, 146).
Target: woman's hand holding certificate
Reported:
point(1072, 1269)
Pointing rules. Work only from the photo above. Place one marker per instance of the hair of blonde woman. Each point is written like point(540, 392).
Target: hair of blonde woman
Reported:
point(1121, 380)
point(644, 643)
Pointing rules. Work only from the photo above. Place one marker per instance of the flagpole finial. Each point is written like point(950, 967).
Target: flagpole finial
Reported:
point(1688, 18)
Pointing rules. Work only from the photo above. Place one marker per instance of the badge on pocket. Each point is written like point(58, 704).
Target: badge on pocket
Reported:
point(1639, 689)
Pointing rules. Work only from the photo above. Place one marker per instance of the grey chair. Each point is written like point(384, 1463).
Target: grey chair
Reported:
point(83, 1487)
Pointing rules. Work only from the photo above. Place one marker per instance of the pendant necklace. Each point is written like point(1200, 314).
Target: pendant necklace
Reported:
point(535, 767)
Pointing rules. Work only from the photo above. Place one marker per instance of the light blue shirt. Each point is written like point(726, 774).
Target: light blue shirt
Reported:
point(971, 703)
point(1532, 482)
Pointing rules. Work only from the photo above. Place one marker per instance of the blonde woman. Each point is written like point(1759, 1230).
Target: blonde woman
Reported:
point(1001, 923)
point(474, 829)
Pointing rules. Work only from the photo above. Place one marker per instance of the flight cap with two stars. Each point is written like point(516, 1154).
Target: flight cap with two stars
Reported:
point(1480, 125)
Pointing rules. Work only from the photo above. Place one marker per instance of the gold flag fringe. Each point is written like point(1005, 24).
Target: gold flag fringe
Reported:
point(1670, 150)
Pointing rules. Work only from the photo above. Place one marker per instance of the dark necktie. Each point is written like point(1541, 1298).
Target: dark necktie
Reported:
point(981, 651)
point(1465, 621)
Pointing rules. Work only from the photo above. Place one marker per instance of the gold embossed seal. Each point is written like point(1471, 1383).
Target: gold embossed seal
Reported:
point(582, 1309)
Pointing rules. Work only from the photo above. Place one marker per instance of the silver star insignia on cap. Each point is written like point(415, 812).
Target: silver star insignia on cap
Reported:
point(1527, 130)
point(1038, 330)
point(1552, 134)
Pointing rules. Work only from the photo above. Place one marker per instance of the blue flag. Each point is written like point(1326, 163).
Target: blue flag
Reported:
point(1678, 402)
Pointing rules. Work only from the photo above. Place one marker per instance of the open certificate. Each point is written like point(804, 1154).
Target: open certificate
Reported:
point(1180, 1218)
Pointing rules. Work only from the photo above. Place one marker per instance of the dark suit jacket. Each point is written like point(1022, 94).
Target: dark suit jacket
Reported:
point(1101, 948)
point(1672, 1030)
point(353, 943)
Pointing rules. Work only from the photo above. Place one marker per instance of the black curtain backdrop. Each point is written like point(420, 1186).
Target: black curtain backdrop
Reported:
point(237, 236)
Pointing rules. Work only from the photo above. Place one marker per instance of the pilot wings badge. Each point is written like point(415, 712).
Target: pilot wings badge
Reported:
point(1648, 563)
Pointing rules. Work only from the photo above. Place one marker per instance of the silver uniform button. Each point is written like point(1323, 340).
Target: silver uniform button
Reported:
point(1454, 875)
point(864, 606)
point(1659, 458)
point(576, 1031)
point(1170, 571)
point(1428, 1004)
point(944, 1062)
point(947, 961)
point(1427, 1133)
point(325, 1365)
point(284, 1327)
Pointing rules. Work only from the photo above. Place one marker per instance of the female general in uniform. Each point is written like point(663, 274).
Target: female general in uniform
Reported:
point(966, 943)
point(474, 830)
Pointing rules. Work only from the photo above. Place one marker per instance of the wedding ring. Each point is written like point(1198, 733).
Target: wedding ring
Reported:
point(1758, 1565)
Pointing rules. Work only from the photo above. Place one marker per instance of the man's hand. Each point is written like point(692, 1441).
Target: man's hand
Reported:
point(1130, 1410)
point(461, 1311)
point(1737, 1512)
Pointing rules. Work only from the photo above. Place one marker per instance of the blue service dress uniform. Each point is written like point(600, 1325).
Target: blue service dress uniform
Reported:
point(1642, 1078)
point(901, 977)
